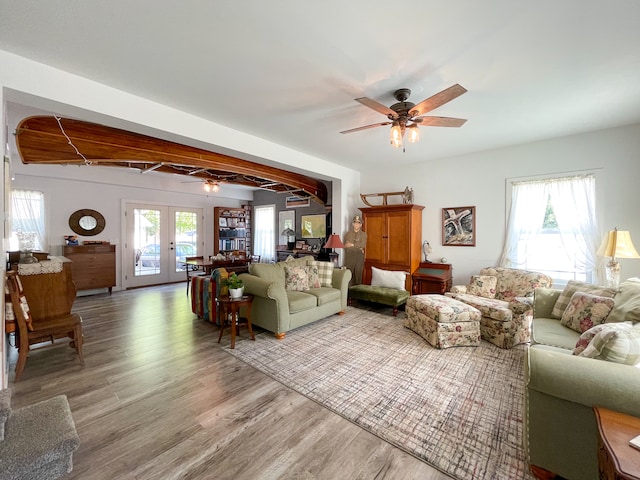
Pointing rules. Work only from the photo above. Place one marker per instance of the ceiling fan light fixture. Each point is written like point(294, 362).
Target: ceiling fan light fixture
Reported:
point(405, 115)
point(414, 133)
point(396, 134)
point(211, 186)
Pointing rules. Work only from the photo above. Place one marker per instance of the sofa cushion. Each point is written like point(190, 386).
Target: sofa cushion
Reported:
point(325, 272)
point(613, 342)
point(299, 301)
point(483, 286)
point(268, 271)
point(325, 295)
point(627, 303)
point(574, 286)
point(296, 278)
point(313, 275)
point(489, 307)
point(585, 311)
point(388, 278)
point(548, 331)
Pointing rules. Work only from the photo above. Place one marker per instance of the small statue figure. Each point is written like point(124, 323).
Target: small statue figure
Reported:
point(407, 196)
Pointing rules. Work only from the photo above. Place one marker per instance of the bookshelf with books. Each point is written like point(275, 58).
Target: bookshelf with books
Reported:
point(232, 234)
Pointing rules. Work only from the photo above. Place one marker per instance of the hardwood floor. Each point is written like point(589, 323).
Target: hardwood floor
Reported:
point(159, 398)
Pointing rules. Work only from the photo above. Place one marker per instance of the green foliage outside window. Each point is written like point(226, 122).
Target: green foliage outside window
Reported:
point(549, 216)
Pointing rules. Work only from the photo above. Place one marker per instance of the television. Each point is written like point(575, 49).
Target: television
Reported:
point(313, 226)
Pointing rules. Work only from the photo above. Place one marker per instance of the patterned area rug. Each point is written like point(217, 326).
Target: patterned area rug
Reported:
point(458, 409)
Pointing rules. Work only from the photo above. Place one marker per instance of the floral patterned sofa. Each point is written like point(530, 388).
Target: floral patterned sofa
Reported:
point(504, 296)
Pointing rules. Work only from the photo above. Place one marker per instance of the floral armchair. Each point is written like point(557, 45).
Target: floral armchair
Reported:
point(504, 296)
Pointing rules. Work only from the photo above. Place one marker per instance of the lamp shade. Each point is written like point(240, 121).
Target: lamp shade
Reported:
point(287, 232)
point(617, 243)
point(334, 242)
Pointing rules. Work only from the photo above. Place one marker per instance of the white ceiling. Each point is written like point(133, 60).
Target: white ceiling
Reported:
point(288, 71)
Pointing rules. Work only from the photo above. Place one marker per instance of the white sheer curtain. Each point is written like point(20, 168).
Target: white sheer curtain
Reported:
point(265, 233)
point(573, 200)
point(528, 204)
point(574, 203)
point(27, 221)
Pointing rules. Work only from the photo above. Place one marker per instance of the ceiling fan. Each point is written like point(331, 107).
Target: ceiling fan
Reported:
point(405, 116)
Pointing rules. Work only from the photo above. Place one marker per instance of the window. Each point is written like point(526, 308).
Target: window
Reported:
point(27, 221)
point(552, 228)
point(265, 234)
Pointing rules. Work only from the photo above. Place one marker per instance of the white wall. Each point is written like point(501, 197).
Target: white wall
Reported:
point(480, 180)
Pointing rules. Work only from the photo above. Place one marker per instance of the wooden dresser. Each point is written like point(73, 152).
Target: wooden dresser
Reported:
point(94, 266)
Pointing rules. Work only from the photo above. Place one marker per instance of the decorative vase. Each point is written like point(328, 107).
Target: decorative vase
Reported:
point(236, 292)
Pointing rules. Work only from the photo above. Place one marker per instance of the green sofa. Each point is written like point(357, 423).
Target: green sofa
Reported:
point(278, 310)
point(560, 431)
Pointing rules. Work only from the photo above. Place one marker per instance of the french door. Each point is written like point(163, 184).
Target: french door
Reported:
point(159, 238)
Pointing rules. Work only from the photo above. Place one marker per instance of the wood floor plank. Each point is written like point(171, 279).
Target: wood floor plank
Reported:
point(159, 398)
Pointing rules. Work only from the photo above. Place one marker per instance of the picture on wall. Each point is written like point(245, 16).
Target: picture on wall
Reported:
point(294, 201)
point(313, 226)
point(459, 226)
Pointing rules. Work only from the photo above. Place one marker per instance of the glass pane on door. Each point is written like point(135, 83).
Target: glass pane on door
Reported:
point(186, 236)
point(146, 241)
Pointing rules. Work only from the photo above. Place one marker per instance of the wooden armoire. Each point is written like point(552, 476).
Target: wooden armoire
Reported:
point(394, 239)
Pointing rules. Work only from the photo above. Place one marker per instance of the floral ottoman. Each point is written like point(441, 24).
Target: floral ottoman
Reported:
point(442, 321)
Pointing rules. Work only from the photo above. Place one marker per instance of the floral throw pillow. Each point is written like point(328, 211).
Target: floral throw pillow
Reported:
point(586, 310)
point(574, 286)
point(483, 286)
point(313, 275)
point(296, 278)
point(613, 342)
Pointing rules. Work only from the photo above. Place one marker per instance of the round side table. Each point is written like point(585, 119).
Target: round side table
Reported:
point(231, 306)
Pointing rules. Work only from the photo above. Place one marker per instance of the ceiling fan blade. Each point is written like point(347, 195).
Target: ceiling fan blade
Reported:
point(366, 127)
point(438, 100)
point(440, 121)
point(378, 107)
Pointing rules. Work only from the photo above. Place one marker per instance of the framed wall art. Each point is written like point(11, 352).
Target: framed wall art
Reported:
point(459, 226)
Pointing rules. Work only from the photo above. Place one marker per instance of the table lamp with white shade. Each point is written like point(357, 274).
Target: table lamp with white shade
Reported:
point(616, 244)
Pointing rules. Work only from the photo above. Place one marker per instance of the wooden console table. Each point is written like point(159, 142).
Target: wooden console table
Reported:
point(617, 460)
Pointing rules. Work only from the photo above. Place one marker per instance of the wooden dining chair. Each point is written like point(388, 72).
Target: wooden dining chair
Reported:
point(35, 331)
point(193, 270)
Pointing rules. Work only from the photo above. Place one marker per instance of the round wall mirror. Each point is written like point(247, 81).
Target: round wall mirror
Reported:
point(86, 222)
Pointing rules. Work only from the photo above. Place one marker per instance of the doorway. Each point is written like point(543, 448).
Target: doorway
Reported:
point(159, 238)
